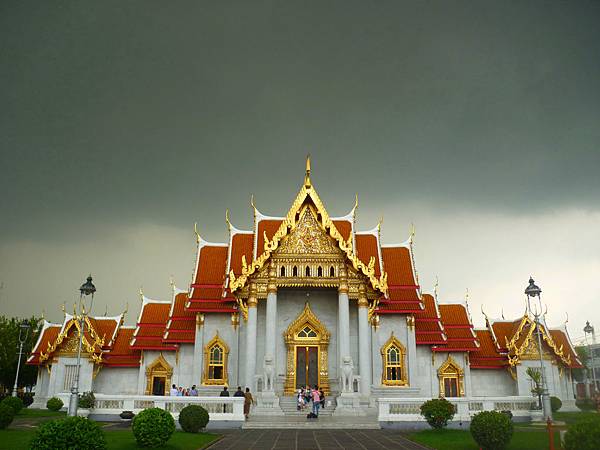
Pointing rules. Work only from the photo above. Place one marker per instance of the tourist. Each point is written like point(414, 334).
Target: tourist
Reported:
point(316, 398)
point(248, 400)
point(239, 392)
point(322, 395)
point(194, 391)
point(307, 396)
point(180, 391)
point(224, 393)
point(300, 399)
point(173, 391)
point(187, 392)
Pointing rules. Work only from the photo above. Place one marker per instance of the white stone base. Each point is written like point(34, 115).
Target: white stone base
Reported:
point(348, 404)
point(267, 404)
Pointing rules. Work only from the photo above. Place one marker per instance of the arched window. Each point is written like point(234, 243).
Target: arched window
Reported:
point(307, 271)
point(307, 332)
point(394, 367)
point(319, 271)
point(295, 271)
point(331, 272)
point(451, 379)
point(215, 355)
point(283, 271)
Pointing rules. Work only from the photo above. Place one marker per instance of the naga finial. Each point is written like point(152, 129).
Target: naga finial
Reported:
point(198, 238)
point(502, 313)
point(172, 283)
point(435, 287)
point(141, 294)
point(413, 231)
point(227, 221)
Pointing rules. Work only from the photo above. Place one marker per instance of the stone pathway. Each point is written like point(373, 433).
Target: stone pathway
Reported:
point(314, 439)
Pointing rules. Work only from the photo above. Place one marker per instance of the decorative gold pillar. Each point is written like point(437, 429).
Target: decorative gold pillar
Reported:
point(364, 345)
point(251, 337)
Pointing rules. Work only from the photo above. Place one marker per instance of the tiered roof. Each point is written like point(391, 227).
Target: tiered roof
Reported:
point(458, 329)
point(428, 324)
point(151, 324)
point(181, 326)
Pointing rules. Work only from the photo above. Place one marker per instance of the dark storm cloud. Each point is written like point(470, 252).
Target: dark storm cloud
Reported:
point(136, 111)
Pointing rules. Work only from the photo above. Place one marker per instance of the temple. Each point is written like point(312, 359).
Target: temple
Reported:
point(307, 299)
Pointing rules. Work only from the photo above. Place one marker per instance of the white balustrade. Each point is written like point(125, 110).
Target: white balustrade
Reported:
point(408, 409)
point(219, 408)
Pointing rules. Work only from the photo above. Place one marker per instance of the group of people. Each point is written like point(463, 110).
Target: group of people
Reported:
point(248, 399)
point(183, 392)
point(314, 395)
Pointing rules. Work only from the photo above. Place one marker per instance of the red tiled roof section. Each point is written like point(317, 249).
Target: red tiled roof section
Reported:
point(210, 273)
point(560, 338)
point(504, 331)
point(428, 327)
point(269, 226)
point(104, 328)
point(182, 322)
point(241, 244)
point(344, 227)
point(458, 329)
point(150, 329)
point(366, 248)
point(403, 293)
point(488, 356)
point(49, 335)
point(121, 354)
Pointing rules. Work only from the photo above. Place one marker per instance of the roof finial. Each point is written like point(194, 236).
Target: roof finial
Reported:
point(379, 224)
point(227, 219)
point(413, 231)
point(467, 296)
point(567, 318)
point(502, 313)
point(435, 287)
point(198, 238)
point(43, 314)
point(172, 283)
point(141, 293)
point(106, 310)
point(307, 175)
point(126, 310)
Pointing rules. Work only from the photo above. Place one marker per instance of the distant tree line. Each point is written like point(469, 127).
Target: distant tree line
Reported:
point(9, 352)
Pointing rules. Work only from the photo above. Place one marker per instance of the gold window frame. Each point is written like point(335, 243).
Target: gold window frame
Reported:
point(393, 342)
point(451, 370)
point(214, 342)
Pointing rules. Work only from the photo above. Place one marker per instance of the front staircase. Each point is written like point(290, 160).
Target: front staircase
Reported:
point(289, 407)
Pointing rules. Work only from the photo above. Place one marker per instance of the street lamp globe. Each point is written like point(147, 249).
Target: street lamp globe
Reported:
point(88, 287)
point(532, 290)
point(588, 329)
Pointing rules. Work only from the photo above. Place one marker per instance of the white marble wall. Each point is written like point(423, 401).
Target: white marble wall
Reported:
point(116, 380)
point(492, 383)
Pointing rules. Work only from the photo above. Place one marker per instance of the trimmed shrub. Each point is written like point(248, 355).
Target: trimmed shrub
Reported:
point(193, 418)
point(585, 404)
point(492, 430)
point(584, 435)
point(69, 433)
point(153, 427)
point(87, 400)
point(7, 414)
point(14, 402)
point(54, 404)
point(438, 412)
point(555, 403)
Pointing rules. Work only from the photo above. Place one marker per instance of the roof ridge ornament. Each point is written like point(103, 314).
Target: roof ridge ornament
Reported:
point(307, 182)
point(198, 238)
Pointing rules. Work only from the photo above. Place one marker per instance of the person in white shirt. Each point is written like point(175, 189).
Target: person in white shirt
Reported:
point(173, 391)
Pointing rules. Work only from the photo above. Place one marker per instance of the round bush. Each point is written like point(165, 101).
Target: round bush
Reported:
point(14, 402)
point(7, 414)
point(555, 403)
point(87, 400)
point(584, 435)
point(54, 404)
point(437, 412)
point(193, 418)
point(492, 430)
point(69, 433)
point(153, 427)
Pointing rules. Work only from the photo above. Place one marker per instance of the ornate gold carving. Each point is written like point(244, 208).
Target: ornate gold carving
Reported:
point(450, 369)
point(393, 355)
point(92, 348)
point(200, 319)
point(159, 368)
point(216, 354)
point(363, 302)
point(235, 320)
point(293, 339)
point(410, 322)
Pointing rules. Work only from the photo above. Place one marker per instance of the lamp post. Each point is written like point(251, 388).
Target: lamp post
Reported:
point(23, 332)
point(534, 291)
point(86, 289)
point(589, 329)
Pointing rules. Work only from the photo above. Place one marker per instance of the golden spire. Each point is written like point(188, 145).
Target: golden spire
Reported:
point(307, 182)
point(141, 293)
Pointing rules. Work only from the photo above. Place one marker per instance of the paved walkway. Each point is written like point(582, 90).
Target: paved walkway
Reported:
point(314, 439)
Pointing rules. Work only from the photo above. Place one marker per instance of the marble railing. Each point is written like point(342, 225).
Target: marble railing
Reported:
point(219, 408)
point(408, 409)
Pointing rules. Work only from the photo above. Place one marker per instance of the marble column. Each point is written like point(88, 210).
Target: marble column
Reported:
point(411, 350)
point(271, 324)
point(198, 351)
point(343, 318)
point(364, 345)
point(251, 338)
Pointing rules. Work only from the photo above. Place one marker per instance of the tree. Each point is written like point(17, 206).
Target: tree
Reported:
point(582, 354)
point(9, 352)
point(536, 377)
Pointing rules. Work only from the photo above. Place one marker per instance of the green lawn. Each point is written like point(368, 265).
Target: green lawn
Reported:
point(462, 440)
point(573, 417)
point(116, 440)
point(32, 412)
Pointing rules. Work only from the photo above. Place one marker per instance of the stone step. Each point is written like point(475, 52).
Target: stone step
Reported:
point(311, 424)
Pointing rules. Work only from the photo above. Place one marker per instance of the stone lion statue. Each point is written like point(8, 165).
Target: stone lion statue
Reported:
point(347, 373)
point(269, 372)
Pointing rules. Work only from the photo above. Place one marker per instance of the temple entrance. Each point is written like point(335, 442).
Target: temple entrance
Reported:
point(158, 385)
point(307, 342)
point(307, 366)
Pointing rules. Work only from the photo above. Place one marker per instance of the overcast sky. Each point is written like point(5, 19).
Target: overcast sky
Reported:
point(123, 123)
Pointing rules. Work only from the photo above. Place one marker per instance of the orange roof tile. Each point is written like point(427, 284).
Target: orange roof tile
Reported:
point(268, 226)
point(121, 354)
point(151, 326)
point(344, 227)
point(561, 338)
point(181, 325)
point(367, 247)
point(428, 326)
point(488, 356)
point(458, 329)
point(48, 335)
point(210, 273)
point(241, 245)
point(401, 281)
